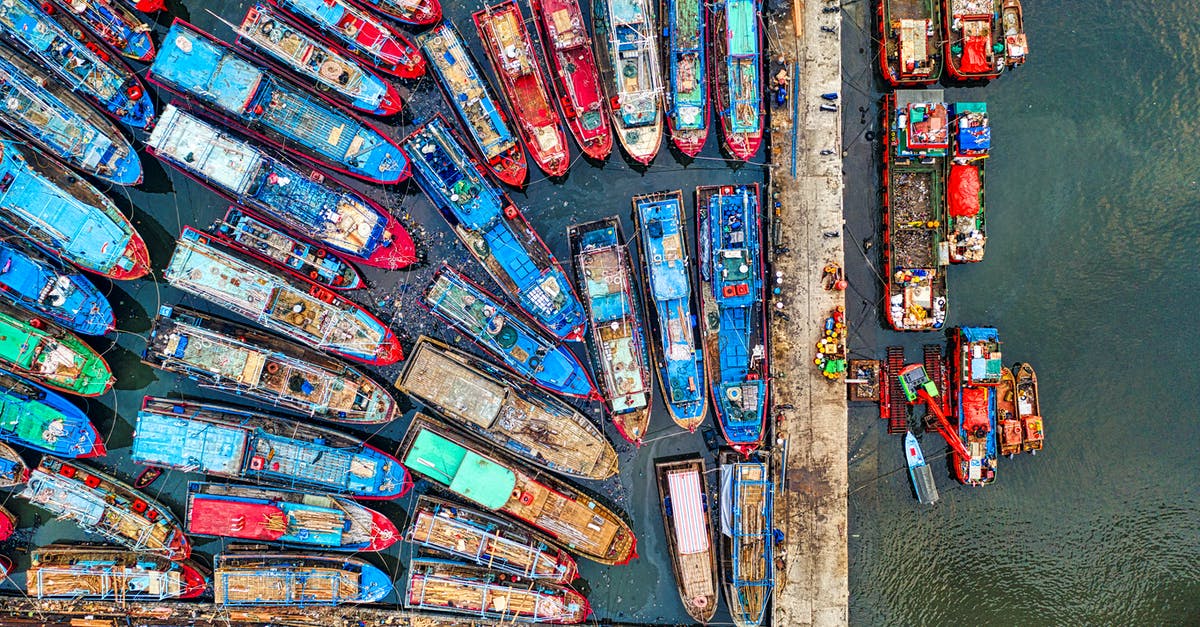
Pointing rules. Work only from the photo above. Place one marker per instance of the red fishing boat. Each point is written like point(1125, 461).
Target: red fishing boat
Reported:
point(502, 29)
point(408, 12)
point(973, 46)
point(909, 41)
point(350, 29)
point(576, 79)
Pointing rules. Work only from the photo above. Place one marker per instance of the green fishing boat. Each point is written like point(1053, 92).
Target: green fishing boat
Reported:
point(50, 355)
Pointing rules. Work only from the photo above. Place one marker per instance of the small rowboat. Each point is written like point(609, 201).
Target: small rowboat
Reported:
point(1029, 408)
point(918, 471)
point(1006, 414)
point(1013, 24)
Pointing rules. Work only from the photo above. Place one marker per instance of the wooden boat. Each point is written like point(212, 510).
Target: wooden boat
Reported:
point(237, 359)
point(973, 45)
point(448, 528)
point(738, 86)
point(288, 517)
point(686, 97)
point(56, 42)
point(747, 519)
point(8, 526)
point(270, 243)
point(966, 227)
point(296, 580)
point(289, 48)
point(477, 396)
point(34, 417)
point(106, 507)
point(910, 41)
point(50, 355)
point(13, 471)
point(349, 29)
point(506, 335)
point(458, 588)
point(408, 12)
point(305, 203)
point(575, 78)
point(683, 501)
point(977, 371)
point(105, 573)
point(494, 230)
point(913, 202)
point(213, 269)
point(65, 216)
point(465, 87)
point(113, 23)
point(627, 57)
point(247, 97)
point(1029, 410)
point(49, 115)
point(501, 27)
point(667, 281)
point(734, 329)
point(1009, 423)
point(494, 481)
point(47, 288)
point(1012, 24)
point(248, 445)
point(918, 471)
point(617, 344)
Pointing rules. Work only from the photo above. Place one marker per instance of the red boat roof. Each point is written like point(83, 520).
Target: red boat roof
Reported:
point(236, 519)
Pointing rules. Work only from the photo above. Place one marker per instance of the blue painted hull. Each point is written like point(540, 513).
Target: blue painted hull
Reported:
point(667, 280)
point(290, 577)
point(734, 323)
point(489, 324)
point(687, 90)
point(196, 65)
point(108, 83)
point(40, 419)
point(494, 230)
point(115, 25)
point(44, 288)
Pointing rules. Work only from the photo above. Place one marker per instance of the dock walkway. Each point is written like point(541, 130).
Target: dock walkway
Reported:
point(811, 434)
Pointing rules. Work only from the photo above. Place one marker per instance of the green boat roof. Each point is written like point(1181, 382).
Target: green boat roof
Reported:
point(464, 472)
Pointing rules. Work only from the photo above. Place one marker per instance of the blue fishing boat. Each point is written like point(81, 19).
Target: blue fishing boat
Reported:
point(617, 344)
point(113, 23)
point(506, 335)
point(270, 32)
point(918, 471)
point(237, 359)
point(494, 230)
point(299, 258)
point(46, 288)
point(296, 580)
point(477, 107)
point(666, 278)
point(734, 321)
point(248, 445)
point(747, 543)
point(105, 506)
point(78, 59)
point(321, 210)
point(287, 517)
point(350, 29)
point(65, 216)
point(687, 90)
point(241, 93)
point(47, 114)
point(209, 267)
point(34, 417)
point(737, 87)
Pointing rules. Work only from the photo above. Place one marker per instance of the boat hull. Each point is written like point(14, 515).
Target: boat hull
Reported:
point(686, 60)
point(408, 12)
point(110, 574)
point(973, 392)
point(969, 38)
point(48, 289)
point(296, 580)
point(37, 418)
point(636, 107)
point(747, 548)
point(349, 29)
point(270, 243)
point(915, 16)
point(1029, 408)
point(459, 588)
point(683, 502)
point(50, 355)
point(114, 24)
point(737, 52)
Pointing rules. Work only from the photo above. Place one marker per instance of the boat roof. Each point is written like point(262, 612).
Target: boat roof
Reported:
point(194, 63)
point(463, 471)
point(688, 513)
point(177, 441)
point(664, 239)
point(214, 156)
point(742, 27)
point(468, 90)
point(451, 387)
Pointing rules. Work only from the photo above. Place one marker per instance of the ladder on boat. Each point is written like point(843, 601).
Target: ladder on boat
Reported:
point(895, 408)
point(935, 368)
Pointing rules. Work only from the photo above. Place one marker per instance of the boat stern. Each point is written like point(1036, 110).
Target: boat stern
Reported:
point(383, 532)
point(398, 250)
point(373, 585)
point(193, 583)
point(93, 444)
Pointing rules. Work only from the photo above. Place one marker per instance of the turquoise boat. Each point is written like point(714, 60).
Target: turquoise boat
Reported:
point(47, 114)
point(242, 94)
point(78, 59)
point(45, 288)
point(505, 334)
point(37, 418)
point(666, 279)
point(734, 328)
point(687, 107)
point(494, 230)
point(321, 210)
point(737, 86)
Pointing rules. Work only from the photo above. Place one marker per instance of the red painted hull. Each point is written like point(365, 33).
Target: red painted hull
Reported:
point(425, 13)
point(891, 74)
point(689, 143)
point(525, 93)
point(397, 56)
point(578, 91)
point(956, 72)
point(741, 146)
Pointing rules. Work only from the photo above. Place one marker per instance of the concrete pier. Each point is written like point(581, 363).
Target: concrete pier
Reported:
point(811, 429)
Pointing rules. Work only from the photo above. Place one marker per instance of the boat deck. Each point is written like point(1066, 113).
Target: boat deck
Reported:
point(614, 321)
point(752, 572)
point(275, 585)
point(468, 91)
point(178, 442)
point(67, 56)
point(632, 41)
point(469, 590)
